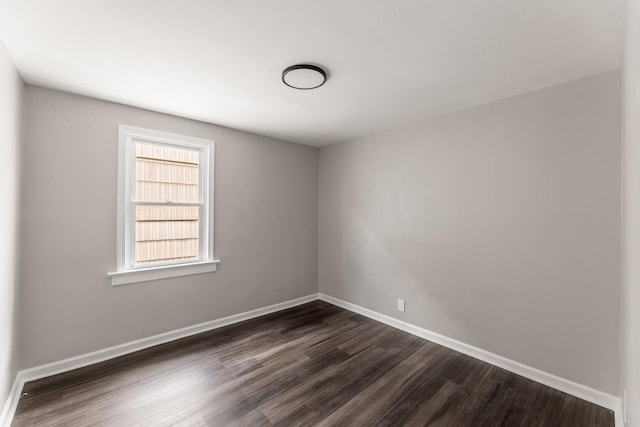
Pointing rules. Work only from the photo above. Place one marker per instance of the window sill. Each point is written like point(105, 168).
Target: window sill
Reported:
point(164, 272)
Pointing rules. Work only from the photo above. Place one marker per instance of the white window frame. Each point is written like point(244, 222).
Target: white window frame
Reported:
point(127, 271)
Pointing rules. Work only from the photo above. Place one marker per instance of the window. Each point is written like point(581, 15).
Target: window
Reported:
point(165, 206)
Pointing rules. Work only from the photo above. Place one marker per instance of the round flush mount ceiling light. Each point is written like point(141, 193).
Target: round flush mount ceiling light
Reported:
point(304, 76)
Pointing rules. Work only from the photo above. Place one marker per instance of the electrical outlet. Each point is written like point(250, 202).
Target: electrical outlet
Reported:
point(624, 406)
point(401, 305)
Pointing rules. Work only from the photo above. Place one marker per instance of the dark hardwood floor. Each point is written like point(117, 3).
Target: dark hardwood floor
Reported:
point(315, 364)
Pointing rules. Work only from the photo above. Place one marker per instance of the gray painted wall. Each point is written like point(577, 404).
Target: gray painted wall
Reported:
point(499, 225)
point(11, 90)
point(265, 229)
point(631, 283)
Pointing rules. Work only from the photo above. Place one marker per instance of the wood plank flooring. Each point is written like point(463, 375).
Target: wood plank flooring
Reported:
point(315, 364)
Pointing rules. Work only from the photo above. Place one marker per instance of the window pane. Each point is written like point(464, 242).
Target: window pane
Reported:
point(167, 234)
point(166, 173)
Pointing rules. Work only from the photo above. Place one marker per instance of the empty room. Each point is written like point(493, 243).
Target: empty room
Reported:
point(293, 213)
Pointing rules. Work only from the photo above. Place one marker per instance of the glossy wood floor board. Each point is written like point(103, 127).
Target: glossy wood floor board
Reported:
point(314, 364)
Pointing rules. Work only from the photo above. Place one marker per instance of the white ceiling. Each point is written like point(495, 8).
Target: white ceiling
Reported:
point(391, 62)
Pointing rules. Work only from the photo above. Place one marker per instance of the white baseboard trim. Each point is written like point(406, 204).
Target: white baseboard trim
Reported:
point(80, 361)
point(10, 405)
point(578, 390)
point(619, 414)
point(581, 391)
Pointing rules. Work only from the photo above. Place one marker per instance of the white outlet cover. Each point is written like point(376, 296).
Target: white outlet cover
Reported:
point(401, 305)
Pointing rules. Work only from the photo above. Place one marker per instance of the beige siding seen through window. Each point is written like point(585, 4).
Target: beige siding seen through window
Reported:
point(165, 233)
